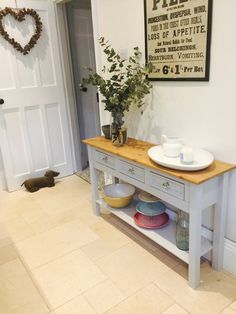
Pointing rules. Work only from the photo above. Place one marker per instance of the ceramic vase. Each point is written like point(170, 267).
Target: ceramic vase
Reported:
point(106, 129)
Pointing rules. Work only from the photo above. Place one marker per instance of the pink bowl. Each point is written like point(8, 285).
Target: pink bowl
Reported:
point(151, 222)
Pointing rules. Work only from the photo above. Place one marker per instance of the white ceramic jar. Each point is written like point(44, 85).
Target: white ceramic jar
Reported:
point(187, 155)
point(172, 145)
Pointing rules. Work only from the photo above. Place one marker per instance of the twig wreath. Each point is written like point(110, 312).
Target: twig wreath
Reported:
point(20, 16)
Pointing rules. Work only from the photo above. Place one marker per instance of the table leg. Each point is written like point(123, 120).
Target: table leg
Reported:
point(220, 222)
point(195, 224)
point(94, 183)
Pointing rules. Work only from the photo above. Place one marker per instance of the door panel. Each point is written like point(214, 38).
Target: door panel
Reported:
point(34, 123)
point(34, 128)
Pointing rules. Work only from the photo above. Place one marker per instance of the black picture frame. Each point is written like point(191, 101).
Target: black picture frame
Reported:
point(175, 13)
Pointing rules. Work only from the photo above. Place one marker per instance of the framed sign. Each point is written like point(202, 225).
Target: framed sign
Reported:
point(178, 35)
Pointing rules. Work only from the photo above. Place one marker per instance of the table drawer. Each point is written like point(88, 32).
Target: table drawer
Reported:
point(105, 159)
point(169, 186)
point(132, 171)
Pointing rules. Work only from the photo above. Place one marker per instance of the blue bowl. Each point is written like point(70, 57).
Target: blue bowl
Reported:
point(151, 209)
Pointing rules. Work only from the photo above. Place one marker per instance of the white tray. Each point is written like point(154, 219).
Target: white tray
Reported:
point(202, 159)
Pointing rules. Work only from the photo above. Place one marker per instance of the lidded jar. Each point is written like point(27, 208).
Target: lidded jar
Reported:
point(182, 231)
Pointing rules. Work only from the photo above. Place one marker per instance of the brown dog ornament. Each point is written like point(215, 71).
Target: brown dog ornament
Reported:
point(33, 185)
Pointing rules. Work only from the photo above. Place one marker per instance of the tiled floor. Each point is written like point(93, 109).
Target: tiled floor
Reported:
point(57, 257)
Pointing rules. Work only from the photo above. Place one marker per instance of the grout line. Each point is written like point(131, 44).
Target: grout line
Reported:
point(224, 308)
point(68, 301)
point(37, 287)
point(56, 258)
point(80, 294)
point(100, 258)
point(60, 256)
point(83, 294)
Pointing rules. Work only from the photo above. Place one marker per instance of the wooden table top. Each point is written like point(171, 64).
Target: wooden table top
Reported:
point(136, 150)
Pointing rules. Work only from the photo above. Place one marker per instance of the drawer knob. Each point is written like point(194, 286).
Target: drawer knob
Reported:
point(105, 158)
point(131, 170)
point(166, 185)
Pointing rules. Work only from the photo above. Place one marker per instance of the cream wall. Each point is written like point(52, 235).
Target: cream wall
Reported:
point(202, 112)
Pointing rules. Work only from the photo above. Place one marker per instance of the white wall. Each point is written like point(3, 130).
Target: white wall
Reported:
point(2, 174)
point(202, 112)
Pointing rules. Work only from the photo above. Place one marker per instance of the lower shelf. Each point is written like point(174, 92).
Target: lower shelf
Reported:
point(165, 237)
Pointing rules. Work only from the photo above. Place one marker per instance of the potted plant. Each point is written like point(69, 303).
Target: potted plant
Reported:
point(124, 84)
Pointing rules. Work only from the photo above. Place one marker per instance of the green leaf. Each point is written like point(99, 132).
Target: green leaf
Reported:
point(125, 83)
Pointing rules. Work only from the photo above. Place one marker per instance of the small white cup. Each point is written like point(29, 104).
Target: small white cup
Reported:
point(187, 155)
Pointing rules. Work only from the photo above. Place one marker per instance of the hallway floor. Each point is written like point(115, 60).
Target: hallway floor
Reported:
point(57, 257)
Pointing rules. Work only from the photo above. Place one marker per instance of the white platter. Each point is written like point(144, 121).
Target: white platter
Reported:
point(202, 159)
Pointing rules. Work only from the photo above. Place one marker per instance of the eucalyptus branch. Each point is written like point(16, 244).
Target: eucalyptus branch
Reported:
point(127, 82)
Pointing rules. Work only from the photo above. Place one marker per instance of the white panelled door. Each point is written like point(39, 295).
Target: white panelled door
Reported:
point(34, 128)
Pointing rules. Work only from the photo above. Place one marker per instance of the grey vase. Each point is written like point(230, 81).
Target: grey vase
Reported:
point(106, 129)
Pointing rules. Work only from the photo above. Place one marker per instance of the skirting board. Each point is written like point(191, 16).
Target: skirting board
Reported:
point(230, 257)
point(229, 263)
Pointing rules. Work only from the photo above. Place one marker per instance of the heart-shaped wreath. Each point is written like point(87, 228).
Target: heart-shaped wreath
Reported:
point(20, 16)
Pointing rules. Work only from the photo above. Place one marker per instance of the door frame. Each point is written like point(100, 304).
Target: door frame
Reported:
point(66, 61)
point(97, 48)
point(66, 57)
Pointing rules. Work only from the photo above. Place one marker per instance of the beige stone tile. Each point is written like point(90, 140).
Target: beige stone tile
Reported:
point(64, 194)
point(110, 239)
point(148, 300)
point(82, 211)
point(17, 291)
point(228, 310)
point(78, 187)
point(220, 283)
point(86, 215)
point(63, 209)
point(90, 199)
point(5, 238)
point(7, 213)
point(175, 309)
point(38, 220)
point(18, 229)
point(56, 202)
point(43, 224)
point(31, 215)
point(7, 254)
point(13, 204)
point(27, 208)
point(76, 306)
point(54, 243)
point(104, 296)
point(214, 294)
point(110, 234)
point(67, 277)
point(233, 305)
point(131, 267)
point(98, 249)
point(72, 183)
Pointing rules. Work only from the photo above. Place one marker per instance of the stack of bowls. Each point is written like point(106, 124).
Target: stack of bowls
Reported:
point(150, 212)
point(118, 195)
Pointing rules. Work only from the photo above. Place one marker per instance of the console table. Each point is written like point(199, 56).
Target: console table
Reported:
point(191, 192)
